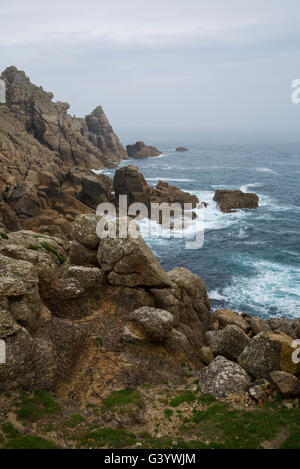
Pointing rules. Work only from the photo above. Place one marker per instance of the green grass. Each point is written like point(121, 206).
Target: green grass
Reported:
point(99, 340)
point(168, 413)
point(123, 398)
point(76, 419)
point(4, 236)
point(113, 438)
point(34, 247)
point(52, 250)
point(206, 399)
point(183, 397)
point(242, 429)
point(33, 407)
point(293, 440)
point(9, 430)
point(28, 442)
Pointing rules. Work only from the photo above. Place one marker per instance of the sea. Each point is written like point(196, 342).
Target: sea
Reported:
point(250, 259)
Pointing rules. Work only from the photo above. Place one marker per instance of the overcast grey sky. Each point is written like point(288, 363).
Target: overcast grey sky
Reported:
point(188, 64)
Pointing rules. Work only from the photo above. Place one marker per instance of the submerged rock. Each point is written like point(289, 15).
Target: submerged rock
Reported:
point(181, 149)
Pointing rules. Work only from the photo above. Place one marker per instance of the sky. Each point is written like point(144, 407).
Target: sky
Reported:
point(180, 65)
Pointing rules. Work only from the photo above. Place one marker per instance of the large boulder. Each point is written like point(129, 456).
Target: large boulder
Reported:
point(155, 324)
point(228, 342)
point(194, 305)
point(140, 150)
point(222, 318)
point(84, 230)
point(222, 376)
point(128, 181)
point(267, 352)
point(289, 326)
point(230, 201)
point(129, 262)
point(287, 384)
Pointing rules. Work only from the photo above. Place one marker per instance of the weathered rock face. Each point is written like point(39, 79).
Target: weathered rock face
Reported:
point(181, 149)
point(130, 263)
point(140, 150)
point(267, 352)
point(128, 181)
point(230, 201)
point(40, 349)
point(149, 321)
point(223, 376)
point(89, 142)
point(46, 156)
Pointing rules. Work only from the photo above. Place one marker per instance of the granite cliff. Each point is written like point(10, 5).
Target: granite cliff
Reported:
point(46, 156)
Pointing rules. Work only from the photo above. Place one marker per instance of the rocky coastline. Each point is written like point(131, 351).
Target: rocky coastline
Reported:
point(84, 318)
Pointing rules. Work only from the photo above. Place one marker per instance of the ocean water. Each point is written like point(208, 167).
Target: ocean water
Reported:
point(250, 259)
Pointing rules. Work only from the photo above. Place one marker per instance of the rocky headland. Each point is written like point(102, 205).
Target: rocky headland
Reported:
point(47, 158)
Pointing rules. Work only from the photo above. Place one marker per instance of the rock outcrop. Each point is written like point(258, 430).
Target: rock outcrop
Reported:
point(267, 352)
point(57, 296)
point(129, 181)
point(46, 156)
point(230, 201)
point(139, 150)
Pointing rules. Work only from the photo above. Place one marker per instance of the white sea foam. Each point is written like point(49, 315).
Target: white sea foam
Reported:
point(106, 172)
point(215, 295)
point(246, 187)
point(213, 218)
point(161, 155)
point(169, 179)
point(273, 289)
point(267, 170)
